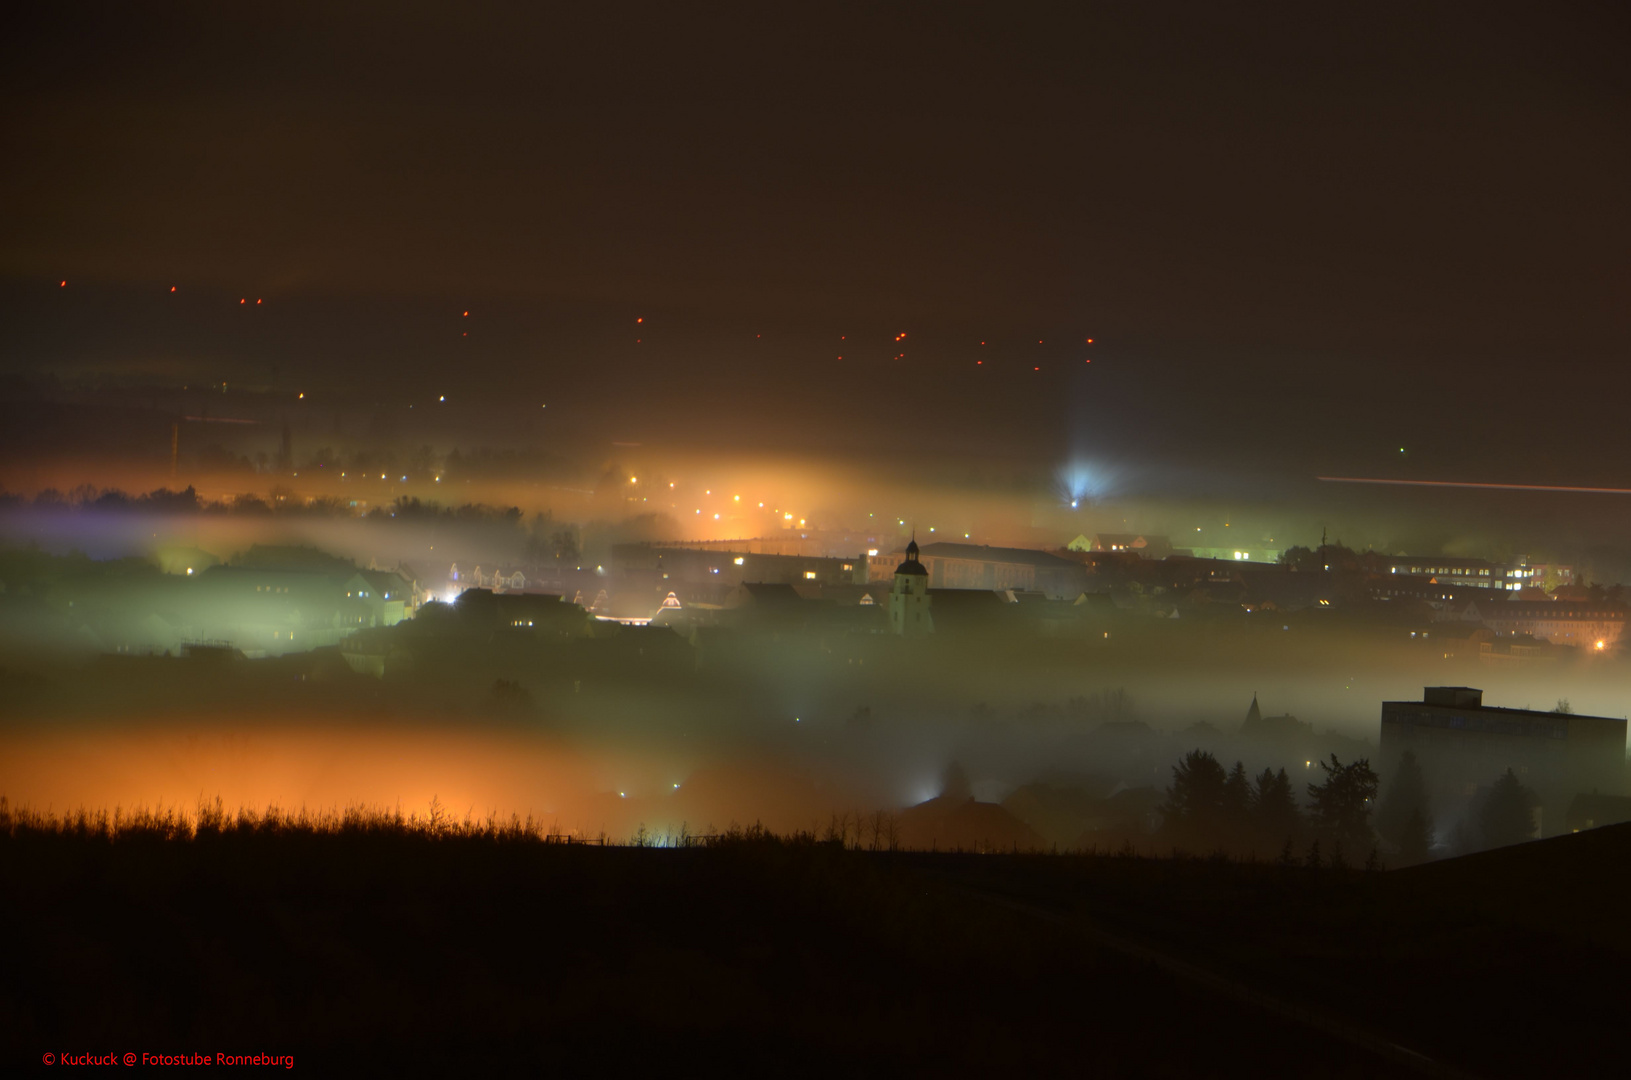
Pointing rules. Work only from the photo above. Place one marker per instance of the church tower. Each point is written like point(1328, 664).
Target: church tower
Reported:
point(909, 597)
point(1254, 718)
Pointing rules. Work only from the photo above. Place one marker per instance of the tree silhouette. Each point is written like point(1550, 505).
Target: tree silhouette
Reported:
point(1237, 808)
point(1275, 817)
point(1403, 816)
point(1507, 814)
point(1415, 839)
point(1194, 809)
point(1342, 804)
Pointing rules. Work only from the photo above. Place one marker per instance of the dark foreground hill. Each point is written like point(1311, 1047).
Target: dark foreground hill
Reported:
point(378, 946)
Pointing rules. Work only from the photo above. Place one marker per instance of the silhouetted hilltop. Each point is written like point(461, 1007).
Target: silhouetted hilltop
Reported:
point(1575, 884)
point(952, 823)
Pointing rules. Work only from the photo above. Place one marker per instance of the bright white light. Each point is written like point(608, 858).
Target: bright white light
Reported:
point(442, 398)
point(1078, 481)
point(189, 569)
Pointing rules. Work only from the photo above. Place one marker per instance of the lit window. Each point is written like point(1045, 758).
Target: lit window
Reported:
point(809, 575)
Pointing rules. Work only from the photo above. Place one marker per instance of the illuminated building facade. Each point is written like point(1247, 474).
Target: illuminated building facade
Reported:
point(1480, 573)
point(1596, 627)
point(1149, 547)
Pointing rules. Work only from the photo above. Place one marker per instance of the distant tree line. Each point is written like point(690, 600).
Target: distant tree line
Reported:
point(1209, 810)
point(279, 501)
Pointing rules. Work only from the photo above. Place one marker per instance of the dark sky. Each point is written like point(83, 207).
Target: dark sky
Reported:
point(1333, 227)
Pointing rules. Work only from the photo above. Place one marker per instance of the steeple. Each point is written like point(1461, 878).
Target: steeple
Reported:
point(1254, 715)
point(909, 596)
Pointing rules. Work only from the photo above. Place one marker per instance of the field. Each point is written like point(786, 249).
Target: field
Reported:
point(372, 940)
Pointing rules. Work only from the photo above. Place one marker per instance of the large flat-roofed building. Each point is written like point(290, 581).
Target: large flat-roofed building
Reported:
point(1479, 573)
point(1464, 745)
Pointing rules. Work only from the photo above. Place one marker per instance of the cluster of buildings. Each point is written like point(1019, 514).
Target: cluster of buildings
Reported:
point(1495, 611)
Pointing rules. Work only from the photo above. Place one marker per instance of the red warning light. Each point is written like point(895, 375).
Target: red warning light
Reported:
point(1036, 369)
point(641, 319)
point(1090, 341)
point(245, 300)
point(257, 299)
point(466, 315)
point(172, 288)
point(64, 285)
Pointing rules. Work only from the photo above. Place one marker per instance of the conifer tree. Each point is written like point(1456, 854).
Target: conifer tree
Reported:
point(1237, 808)
point(1194, 808)
point(1403, 815)
point(1507, 814)
point(1275, 818)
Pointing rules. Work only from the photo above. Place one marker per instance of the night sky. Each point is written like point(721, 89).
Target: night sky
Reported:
point(1298, 236)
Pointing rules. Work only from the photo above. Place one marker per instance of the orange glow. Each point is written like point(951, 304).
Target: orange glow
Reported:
point(1090, 341)
point(641, 319)
point(172, 288)
point(244, 300)
point(257, 299)
point(467, 314)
